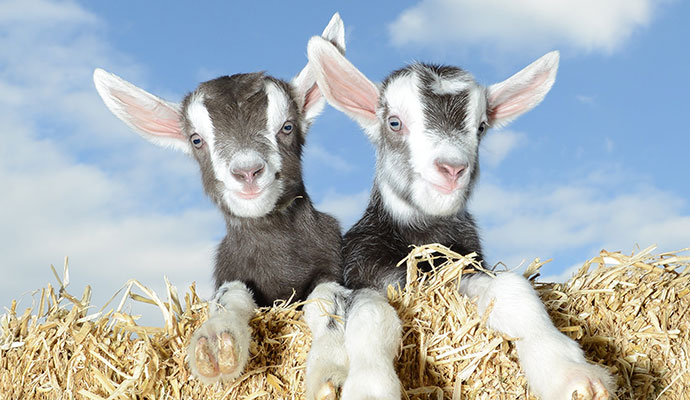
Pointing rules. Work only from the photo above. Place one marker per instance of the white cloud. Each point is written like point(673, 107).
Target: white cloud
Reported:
point(497, 145)
point(347, 208)
point(585, 99)
point(589, 25)
point(46, 13)
point(55, 207)
point(574, 220)
point(76, 182)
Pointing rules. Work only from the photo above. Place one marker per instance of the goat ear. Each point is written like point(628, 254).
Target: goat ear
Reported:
point(521, 92)
point(155, 119)
point(308, 94)
point(344, 86)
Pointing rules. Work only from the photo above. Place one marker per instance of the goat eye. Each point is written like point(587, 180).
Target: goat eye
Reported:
point(395, 124)
point(482, 127)
point(196, 140)
point(287, 128)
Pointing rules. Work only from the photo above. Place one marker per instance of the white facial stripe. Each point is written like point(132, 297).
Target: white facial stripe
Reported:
point(476, 103)
point(403, 99)
point(277, 111)
point(200, 119)
point(399, 209)
point(450, 86)
point(201, 122)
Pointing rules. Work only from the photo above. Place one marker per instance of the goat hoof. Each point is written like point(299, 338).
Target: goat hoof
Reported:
point(327, 391)
point(589, 390)
point(227, 354)
point(205, 361)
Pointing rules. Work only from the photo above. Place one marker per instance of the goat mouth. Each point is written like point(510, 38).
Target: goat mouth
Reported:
point(249, 195)
point(446, 189)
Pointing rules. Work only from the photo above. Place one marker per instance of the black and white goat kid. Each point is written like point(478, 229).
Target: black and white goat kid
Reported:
point(246, 131)
point(426, 122)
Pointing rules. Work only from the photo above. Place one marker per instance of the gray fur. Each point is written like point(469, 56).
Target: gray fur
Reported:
point(294, 247)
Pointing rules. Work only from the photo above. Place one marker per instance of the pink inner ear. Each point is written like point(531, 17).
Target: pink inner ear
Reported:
point(155, 117)
point(353, 92)
point(312, 97)
point(518, 101)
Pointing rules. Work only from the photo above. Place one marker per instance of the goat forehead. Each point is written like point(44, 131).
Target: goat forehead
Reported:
point(233, 116)
point(443, 79)
point(229, 108)
point(448, 95)
point(442, 99)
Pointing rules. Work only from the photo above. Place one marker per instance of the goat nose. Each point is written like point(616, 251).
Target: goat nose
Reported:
point(450, 171)
point(249, 174)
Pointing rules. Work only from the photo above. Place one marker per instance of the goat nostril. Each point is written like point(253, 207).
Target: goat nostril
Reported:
point(238, 175)
point(451, 171)
point(247, 175)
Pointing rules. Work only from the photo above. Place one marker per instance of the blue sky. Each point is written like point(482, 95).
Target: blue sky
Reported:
point(601, 163)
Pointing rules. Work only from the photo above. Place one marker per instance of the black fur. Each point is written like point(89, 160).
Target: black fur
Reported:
point(376, 243)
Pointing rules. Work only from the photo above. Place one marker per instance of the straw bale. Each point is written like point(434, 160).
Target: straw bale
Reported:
point(629, 313)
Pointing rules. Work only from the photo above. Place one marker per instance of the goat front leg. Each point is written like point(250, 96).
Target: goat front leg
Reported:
point(324, 313)
point(372, 339)
point(554, 364)
point(219, 348)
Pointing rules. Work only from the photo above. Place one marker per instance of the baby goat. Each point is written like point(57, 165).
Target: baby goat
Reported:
point(426, 122)
point(246, 131)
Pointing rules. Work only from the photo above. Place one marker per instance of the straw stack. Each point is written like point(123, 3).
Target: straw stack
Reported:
point(629, 313)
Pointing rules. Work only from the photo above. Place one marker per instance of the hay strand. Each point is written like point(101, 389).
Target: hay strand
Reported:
point(628, 312)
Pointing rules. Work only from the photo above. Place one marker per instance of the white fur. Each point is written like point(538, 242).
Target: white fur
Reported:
point(277, 112)
point(200, 120)
point(398, 208)
point(450, 86)
point(335, 31)
point(271, 188)
point(306, 79)
point(554, 364)
point(230, 311)
point(372, 340)
point(476, 109)
point(327, 360)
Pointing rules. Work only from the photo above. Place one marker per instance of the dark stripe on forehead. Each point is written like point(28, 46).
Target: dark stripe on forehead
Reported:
point(443, 112)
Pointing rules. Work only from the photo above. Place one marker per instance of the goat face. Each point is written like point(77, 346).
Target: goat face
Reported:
point(246, 132)
point(431, 120)
point(426, 122)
